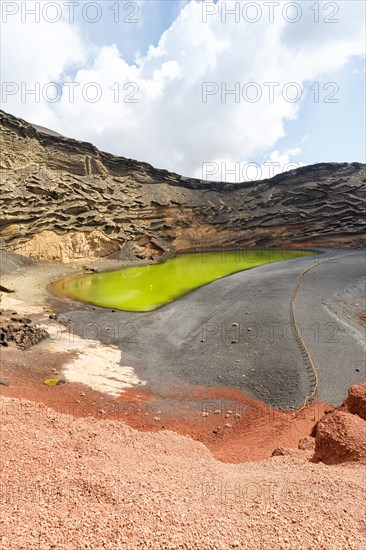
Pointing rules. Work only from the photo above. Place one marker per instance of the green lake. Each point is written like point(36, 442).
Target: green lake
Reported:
point(148, 287)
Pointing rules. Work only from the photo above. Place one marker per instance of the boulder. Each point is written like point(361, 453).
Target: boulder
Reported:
point(356, 400)
point(340, 437)
point(281, 451)
point(306, 444)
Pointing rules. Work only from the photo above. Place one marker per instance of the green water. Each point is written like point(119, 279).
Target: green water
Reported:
point(148, 287)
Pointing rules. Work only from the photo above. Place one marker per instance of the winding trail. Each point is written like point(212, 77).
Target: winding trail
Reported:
point(309, 364)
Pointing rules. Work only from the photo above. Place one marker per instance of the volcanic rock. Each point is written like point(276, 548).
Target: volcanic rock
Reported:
point(19, 331)
point(64, 199)
point(281, 451)
point(340, 437)
point(306, 444)
point(356, 400)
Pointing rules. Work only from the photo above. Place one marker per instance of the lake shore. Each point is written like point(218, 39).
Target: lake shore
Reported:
point(149, 398)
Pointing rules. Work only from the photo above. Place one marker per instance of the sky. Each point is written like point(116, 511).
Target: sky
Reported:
point(221, 90)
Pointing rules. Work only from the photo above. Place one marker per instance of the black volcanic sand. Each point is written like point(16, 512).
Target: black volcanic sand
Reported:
point(236, 332)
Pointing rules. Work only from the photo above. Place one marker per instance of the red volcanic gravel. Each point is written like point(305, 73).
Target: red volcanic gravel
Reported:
point(84, 483)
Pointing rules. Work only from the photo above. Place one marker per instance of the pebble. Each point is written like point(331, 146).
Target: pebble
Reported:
point(4, 383)
point(217, 411)
point(235, 325)
point(238, 415)
point(234, 341)
point(205, 413)
point(157, 418)
point(228, 425)
point(82, 394)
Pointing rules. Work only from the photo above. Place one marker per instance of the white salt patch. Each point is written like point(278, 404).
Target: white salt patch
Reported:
point(95, 365)
point(99, 368)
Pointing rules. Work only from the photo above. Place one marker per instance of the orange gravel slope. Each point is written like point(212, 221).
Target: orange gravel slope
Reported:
point(83, 483)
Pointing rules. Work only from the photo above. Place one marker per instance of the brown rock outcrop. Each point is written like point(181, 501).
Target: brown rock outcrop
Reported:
point(53, 183)
point(356, 400)
point(306, 444)
point(340, 437)
point(48, 245)
point(282, 451)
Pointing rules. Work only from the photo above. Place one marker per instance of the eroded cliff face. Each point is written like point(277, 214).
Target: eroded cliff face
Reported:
point(96, 204)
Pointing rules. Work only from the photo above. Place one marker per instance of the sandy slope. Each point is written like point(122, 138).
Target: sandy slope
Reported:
point(71, 484)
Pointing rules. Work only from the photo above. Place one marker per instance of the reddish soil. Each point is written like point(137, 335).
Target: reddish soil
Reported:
point(89, 484)
point(234, 427)
point(87, 480)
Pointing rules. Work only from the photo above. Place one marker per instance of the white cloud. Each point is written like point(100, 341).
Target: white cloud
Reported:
point(231, 171)
point(170, 125)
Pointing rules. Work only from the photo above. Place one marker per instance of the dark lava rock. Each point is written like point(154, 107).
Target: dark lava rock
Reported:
point(19, 331)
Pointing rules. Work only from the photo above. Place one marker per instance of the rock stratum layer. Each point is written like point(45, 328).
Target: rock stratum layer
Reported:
point(64, 199)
